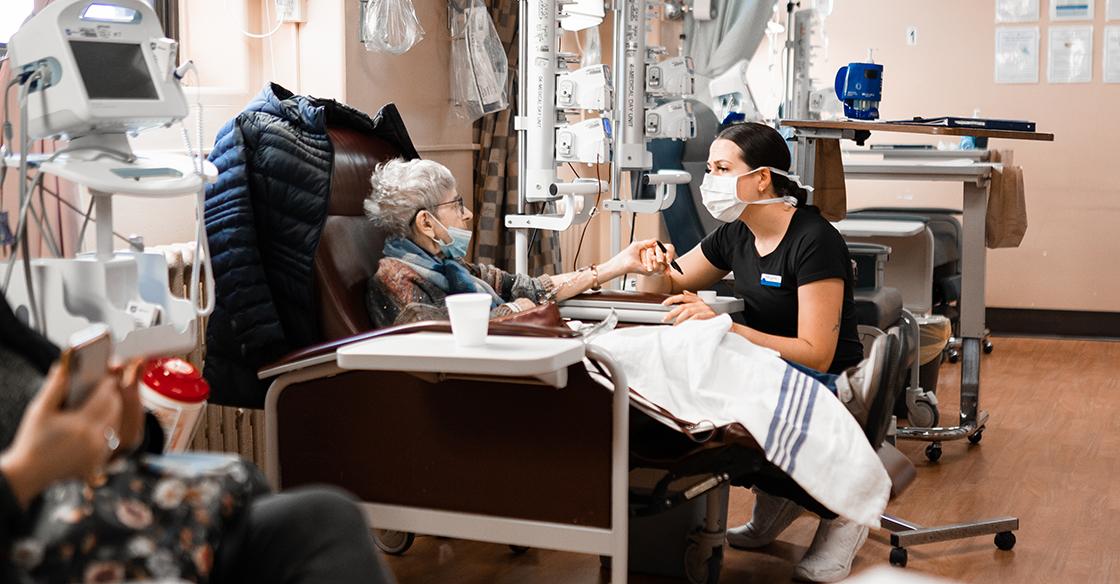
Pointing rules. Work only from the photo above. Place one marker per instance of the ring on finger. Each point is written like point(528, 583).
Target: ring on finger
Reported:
point(112, 441)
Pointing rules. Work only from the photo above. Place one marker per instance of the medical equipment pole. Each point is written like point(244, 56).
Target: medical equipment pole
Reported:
point(618, 56)
point(540, 127)
point(633, 154)
point(787, 89)
point(630, 105)
point(521, 236)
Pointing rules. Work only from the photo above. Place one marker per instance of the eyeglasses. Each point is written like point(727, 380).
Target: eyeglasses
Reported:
point(456, 201)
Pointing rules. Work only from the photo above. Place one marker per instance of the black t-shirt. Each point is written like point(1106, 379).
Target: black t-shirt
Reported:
point(811, 250)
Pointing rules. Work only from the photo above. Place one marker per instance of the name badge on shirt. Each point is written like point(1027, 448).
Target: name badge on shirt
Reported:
point(770, 280)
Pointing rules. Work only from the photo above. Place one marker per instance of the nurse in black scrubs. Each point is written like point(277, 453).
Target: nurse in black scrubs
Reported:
point(794, 274)
point(791, 266)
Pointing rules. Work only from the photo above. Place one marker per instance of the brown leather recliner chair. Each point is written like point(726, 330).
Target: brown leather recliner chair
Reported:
point(506, 450)
point(350, 246)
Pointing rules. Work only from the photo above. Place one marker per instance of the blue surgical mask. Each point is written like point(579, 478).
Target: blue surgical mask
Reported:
point(460, 241)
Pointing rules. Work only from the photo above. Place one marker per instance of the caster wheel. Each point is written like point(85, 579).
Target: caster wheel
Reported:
point(977, 437)
point(954, 356)
point(1005, 540)
point(923, 414)
point(988, 347)
point(899, 557)
point(394, 543)
point(701, 570)
point(933, 452)
point(518, 550)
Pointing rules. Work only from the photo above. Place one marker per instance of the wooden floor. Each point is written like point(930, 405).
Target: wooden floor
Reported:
point(1051, 456)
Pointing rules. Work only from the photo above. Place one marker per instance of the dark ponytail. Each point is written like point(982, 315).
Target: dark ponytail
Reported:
point(762, 145)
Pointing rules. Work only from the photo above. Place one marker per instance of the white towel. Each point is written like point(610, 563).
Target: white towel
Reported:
point(699, 371)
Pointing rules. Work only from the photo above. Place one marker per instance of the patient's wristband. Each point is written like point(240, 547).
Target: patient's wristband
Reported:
point(595, 285)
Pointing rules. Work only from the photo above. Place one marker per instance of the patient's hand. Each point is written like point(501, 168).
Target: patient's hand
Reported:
point(689, 307)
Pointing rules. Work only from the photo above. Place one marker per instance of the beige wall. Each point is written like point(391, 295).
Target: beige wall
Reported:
point(418, 82)
point(1069, 257)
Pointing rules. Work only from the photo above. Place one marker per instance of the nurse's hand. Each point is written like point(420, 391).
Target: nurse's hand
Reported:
point(644, 257)
point(688, 307)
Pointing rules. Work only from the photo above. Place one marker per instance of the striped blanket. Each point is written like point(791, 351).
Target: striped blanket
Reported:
point(700, 372)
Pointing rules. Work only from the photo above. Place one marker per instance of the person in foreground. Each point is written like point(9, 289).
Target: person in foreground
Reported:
point(792, 269)
point(429, 232)
point(308, 536)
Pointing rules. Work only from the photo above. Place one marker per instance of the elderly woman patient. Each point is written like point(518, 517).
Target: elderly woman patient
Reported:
point(428, 224)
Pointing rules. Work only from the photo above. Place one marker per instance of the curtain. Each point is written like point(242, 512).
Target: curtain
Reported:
point(733, 35)
point(495, 171)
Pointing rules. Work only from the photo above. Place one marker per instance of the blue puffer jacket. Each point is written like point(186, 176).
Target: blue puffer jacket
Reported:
point(264, 216)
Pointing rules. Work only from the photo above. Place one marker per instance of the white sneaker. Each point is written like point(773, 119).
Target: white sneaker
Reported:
point(771, 516)
point(856, 387)
point(829, 558)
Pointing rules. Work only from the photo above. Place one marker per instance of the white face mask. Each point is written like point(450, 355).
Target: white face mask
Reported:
point(721, 199)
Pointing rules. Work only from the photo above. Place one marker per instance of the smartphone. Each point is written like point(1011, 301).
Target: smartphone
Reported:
point(87, 360)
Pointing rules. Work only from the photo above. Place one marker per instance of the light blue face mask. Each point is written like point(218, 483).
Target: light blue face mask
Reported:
point(460, 241)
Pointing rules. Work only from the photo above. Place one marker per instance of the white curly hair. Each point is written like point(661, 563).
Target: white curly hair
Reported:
point(402, 188)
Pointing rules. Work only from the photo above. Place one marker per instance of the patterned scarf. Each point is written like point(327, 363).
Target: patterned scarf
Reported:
point(451, 276)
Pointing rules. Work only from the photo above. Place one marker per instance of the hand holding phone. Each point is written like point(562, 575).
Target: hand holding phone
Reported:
point(87, 361)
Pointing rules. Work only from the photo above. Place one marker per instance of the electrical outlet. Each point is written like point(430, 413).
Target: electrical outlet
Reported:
point(291, 10)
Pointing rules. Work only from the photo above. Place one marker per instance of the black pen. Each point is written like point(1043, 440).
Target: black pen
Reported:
point(672, 263)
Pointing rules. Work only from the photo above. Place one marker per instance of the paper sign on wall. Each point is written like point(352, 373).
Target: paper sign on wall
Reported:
point(1071, 9)
point(1112, 54)
point(1016, 56)
point(1071, 54)
point(1113, 10)
point(1016, 10)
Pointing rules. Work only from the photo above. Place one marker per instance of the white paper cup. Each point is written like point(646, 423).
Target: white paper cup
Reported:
point(470, 318)
point(708, 296)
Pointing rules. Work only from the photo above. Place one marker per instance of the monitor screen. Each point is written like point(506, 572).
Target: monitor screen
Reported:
point(113, 70)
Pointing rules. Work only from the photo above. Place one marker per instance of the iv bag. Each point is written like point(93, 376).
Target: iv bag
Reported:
point(592, 45)
point(479, 68)
point(391, 26)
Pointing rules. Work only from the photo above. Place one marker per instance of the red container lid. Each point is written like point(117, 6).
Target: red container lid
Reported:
point(176, 379)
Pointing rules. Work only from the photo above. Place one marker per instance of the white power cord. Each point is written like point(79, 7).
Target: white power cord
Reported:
point(201, 243)
point(253, 35)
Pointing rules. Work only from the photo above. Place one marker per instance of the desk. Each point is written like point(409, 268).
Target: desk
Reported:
point(904, 128)
point(974, 176)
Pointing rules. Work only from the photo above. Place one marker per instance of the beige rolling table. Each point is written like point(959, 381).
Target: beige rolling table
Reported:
point(975, 178)
point(546, 359)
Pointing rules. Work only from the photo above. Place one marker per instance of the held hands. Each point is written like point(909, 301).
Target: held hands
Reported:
point(646, 258)
point(54, 444)
point(689, 307)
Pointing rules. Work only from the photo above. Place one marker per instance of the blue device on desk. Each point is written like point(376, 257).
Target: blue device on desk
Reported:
point(860, 87)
